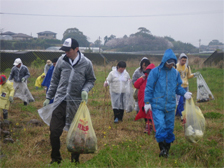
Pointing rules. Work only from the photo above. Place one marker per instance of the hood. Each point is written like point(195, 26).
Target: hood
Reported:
point(169, 54)
point(150, 66)
point(43, 74)
point(183, 55)
point(142, 60)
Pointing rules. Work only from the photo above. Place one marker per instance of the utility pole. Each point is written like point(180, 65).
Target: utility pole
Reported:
point(99, 44)
point(199, 45)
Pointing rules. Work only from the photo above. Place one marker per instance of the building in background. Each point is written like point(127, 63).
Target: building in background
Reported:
point(46, 35)
point(7, 35)
point(14, 36)
point(21, 36)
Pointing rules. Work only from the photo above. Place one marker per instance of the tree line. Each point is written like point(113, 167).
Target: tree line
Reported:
point(142, 40)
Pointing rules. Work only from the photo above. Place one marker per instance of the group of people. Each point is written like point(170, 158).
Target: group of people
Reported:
point(70, 79)
point(157, 89)
point(15, 86)
point(44, 79)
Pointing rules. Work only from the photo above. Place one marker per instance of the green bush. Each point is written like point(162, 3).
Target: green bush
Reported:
point(38, 63)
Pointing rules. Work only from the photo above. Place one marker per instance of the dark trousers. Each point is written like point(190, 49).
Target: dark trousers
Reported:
point(118, 113)
point(56, 128)
point(5, 114)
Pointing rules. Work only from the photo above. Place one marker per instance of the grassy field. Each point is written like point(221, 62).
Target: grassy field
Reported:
point(119, 145)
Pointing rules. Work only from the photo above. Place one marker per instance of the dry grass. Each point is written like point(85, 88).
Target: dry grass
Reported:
point(32, 145)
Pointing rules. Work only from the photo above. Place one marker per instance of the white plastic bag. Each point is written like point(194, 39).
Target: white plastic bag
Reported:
point(45, 113)
point(22, 92)
point(194, 121)
point(203, 92)
point(130, 103)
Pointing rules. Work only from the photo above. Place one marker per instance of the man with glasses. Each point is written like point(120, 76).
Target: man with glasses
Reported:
point(163, 83)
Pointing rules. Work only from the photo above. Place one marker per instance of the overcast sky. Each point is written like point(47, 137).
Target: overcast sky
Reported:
point(184, 20)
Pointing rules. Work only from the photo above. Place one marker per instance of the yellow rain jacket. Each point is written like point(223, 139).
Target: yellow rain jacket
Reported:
point(185, 74)
point(39, 80)
point(6, 90)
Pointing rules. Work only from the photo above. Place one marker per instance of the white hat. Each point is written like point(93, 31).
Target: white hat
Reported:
point(17, 61)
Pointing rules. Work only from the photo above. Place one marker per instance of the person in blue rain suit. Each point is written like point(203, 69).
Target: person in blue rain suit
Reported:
point(163, 83)
point(47, 80)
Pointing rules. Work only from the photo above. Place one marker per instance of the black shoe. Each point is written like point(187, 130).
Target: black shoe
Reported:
point(55, 161)
point(116, 120)
point(25, 103)
point(75, 157)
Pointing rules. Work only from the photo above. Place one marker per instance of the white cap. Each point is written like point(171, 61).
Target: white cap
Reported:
point(17, 61)
point(69, 43)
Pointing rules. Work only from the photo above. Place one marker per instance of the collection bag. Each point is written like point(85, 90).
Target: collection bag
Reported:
point(129, 98)
point(81, 137)
point(203, 92)
point(135, 94)
point(194, 122)
point(22, 92)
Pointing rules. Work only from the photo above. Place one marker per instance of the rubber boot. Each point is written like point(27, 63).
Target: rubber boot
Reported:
point(121, 114)
point(75, 156)
point(116, 115)
point(168, 148)
point(163, 151)
point(5, 115)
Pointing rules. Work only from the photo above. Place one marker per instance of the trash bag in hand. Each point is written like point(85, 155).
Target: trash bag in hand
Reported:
point(194, 121)
point(81, 137)
point(203, 92)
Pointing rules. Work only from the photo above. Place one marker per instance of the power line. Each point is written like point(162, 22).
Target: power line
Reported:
point(124, 16)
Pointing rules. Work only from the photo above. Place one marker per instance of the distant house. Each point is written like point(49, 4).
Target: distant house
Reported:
point(215, 47)
point(47, 35)
point(7, 35)
point(215, 44)
point(21, 36)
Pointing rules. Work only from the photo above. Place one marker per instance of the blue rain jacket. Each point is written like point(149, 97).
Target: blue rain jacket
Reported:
point(163, 84)
point(47, 80)
point(180, 106)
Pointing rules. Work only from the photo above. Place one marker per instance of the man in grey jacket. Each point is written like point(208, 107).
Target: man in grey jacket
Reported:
point(72, 79)
point(19, 74)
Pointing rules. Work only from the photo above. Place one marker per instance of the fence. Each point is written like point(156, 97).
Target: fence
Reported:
point(7, 58)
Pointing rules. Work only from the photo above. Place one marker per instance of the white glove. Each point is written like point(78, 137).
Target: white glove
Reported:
point(187, 95)
point(10, 99)
point(46, 102)
point(105, 84)
point(196, 74)
point(23, 79)
point(147, 107)
point(84, 96)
